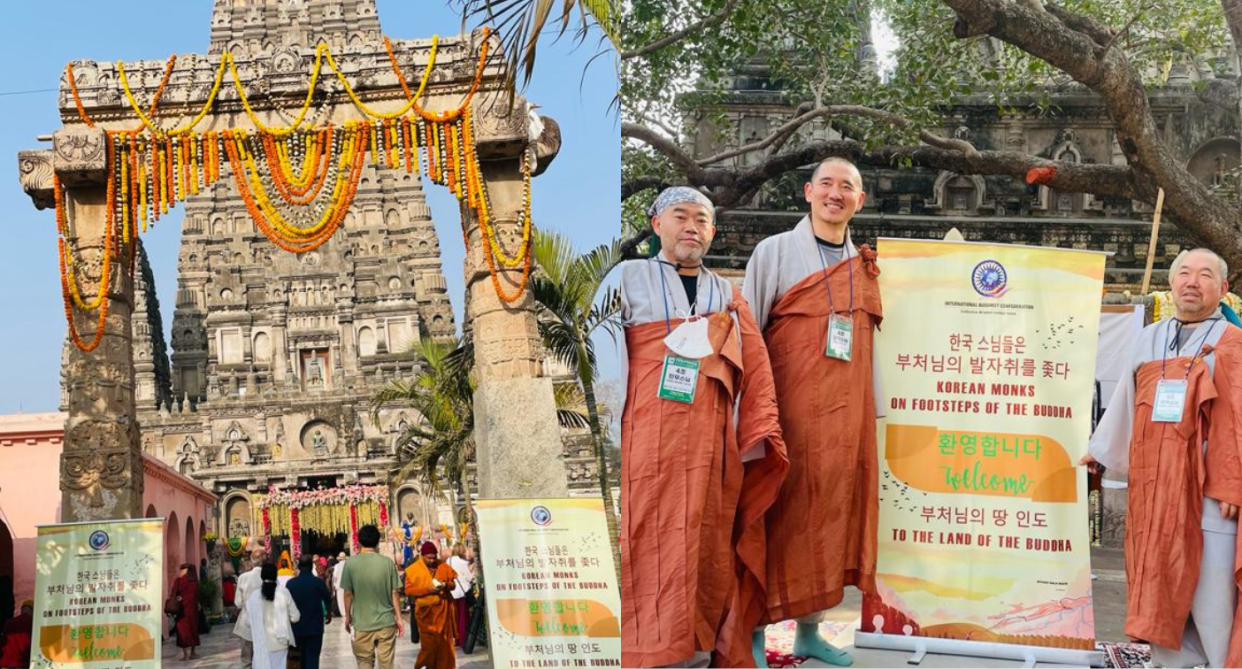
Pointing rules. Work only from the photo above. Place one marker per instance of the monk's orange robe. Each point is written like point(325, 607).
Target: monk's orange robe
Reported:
point(822, 528)
point(692, 537)
point(1169, 476)
point(434, 614)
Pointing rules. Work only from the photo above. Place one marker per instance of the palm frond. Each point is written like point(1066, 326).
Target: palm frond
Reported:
point(561, 340)
point(555, 255)
point(520, 24)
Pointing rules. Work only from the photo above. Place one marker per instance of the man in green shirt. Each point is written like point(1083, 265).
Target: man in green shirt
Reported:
point(372, 604)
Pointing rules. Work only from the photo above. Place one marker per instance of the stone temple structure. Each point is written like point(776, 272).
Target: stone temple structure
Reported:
point(274, 357)
point(924, 203)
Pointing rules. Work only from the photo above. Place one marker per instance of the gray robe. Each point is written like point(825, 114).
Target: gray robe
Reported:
point(1206, 639)
point(781, 262)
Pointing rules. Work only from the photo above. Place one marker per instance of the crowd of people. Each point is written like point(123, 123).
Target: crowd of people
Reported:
point(368, 591)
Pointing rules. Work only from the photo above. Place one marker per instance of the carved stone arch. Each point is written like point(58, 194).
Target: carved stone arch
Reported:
point(188, 460)
point(238, 516)
point(1213, 159)
point(949, 188)
point(262, 347)
point(1067, 150)
point(412, 499)
point(366, 341)
point(235, 443)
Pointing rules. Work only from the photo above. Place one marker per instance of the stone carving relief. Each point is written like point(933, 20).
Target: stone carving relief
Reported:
point(188, 456)
point(35, 172)
point(319, 439)
point(97, 461)
point(235, 449)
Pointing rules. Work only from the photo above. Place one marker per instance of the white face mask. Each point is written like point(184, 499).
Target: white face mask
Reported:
point(690, 339)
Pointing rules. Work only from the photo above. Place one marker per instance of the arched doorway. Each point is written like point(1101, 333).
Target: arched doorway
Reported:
point(172, 549)
point(151, 512)
point(6, 550)
point(191, 543)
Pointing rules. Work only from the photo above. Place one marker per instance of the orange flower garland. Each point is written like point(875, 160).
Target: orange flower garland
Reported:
point(151, 169)
point(68, 286)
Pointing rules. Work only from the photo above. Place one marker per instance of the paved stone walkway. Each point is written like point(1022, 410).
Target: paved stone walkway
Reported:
point(222, 650)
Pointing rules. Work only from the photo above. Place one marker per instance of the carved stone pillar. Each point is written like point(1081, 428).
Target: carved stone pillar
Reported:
point(517, 436)
point(101, 473)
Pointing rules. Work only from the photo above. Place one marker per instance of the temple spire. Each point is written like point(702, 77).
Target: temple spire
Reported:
point(251, 27)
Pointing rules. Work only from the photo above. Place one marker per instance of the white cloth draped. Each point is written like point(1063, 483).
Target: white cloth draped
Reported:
point(276, 618)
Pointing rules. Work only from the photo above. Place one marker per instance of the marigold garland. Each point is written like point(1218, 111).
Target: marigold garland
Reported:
point(151, 169)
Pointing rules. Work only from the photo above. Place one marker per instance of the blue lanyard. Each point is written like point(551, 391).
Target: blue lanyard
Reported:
point(1164, 351)
point(845, 248)
point(711, 295)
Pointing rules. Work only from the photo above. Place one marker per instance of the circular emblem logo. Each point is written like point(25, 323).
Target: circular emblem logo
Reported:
point(541, 516)
point(99, 540)
point(990, 279)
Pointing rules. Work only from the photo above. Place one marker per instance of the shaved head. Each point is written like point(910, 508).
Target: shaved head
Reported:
point(857, 176)
point(1221, 265)
point(1198, 279)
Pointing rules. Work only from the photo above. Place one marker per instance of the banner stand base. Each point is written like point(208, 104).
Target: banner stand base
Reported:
point(1028, 655)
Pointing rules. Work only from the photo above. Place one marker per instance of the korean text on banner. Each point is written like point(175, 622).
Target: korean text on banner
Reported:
point(552, 595)
point(98, 594)
point(987, 358)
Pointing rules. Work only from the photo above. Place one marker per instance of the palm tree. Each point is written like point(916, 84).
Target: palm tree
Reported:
point(565, 286)
point(440, 445)
point(442, 441)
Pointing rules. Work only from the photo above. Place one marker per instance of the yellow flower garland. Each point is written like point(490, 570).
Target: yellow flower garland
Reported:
point(310, 94)
point(154, 171)
point(435, 43)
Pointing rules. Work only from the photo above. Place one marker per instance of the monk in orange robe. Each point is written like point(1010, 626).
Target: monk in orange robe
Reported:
point(701, 452)
point(431, 583)
point(1173, 426)
point(816, 297)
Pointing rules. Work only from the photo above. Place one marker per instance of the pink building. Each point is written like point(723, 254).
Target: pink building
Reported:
point(30, 446)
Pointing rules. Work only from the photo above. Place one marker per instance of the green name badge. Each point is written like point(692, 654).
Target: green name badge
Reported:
point(1170, 401)
point(678, 379)
point(840, 337)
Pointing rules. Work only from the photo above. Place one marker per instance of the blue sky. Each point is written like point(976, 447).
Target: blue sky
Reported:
point(578, 194)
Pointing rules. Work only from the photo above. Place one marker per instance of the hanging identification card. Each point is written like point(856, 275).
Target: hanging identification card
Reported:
point(840, 337)
point(1170, 400)
point(678, 379)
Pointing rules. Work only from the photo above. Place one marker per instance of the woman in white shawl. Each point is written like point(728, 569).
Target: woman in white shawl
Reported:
point(270, 611)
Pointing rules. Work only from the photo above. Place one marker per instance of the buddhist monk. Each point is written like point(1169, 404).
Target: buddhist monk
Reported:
point(815, 296)
point(1173, 427)
point(430, 582)
point(701, 451)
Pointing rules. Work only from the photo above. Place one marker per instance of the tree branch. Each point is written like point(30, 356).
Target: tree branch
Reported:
point(680, 159)
point(677, 36)
point(638, 184)
point(629, 247)
point(841, 110)
point(1210, 220)
point(738, 186)
point(1098, 32)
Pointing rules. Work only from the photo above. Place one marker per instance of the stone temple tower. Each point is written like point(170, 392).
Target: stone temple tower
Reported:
point(274, 356)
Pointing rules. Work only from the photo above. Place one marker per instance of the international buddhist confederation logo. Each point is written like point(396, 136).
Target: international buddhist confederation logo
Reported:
point(99, 540)
point(990, 279)
point(541, 516)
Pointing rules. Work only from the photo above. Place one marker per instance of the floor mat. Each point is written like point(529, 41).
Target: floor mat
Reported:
point(1127, 654)
point(780, 639)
